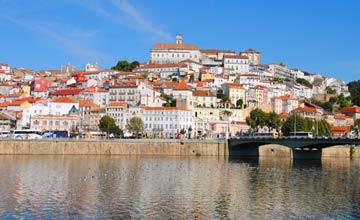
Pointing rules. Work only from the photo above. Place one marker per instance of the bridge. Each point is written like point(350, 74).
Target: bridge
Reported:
point(301, 148)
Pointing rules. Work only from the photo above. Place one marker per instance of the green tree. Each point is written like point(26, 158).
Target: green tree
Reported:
point(354, 89)
point(107, 124)
point(135, 125)
point(342, 101)
point(295, 121)
point(220, 94)
point(257, 118)
point(225, 113)
point(124, 65)
point(324, 128)
point(304, 82)
point(239, 103)
point(273, 121)
point(168, 99)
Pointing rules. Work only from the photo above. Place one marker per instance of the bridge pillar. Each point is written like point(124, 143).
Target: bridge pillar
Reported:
point(306, 154)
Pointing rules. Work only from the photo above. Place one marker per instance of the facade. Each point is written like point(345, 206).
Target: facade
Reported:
point(284, 104)
point(174, 53)
point(119, 112)
point(236, 64)
point(96, 95)
point(253, 55)
point(68, 123)
point(125, 92)
point(204, 98)
point(353, 112)
point(62, 106)
point(167, 122)
point(235, 92)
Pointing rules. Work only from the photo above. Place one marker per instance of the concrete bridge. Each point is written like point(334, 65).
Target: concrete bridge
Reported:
point(300, 148)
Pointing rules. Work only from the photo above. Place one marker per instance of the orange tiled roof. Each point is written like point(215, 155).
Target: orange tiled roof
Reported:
point(211, 51)
point(340, 128)
point(164, 108)
point(306, 109)
point(235, 57)
point(4, 104)
point(338, 116)
point(175, 46)
point(16, 103)
point(235, 85)
point(202, 93)
point(117, 104)
point(64, 100)
point(181, 86)
point(354, 109)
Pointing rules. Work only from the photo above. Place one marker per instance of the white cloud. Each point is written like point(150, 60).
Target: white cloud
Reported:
point(68, 44)
point(139, 21)
point(125, 14)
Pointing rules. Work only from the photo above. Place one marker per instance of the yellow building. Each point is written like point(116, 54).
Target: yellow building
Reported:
point(235, 92)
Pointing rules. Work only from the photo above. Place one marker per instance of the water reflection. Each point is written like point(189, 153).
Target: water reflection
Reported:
point(88, 187)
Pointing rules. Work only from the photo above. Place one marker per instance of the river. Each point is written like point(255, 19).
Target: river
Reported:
point(132, 187)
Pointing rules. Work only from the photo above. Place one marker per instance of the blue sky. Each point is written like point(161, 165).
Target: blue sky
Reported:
point(316, 36)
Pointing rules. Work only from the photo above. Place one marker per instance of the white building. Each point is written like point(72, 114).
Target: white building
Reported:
point(236, 64)
point(174, 53)
point(167, 122)
point(62, 106)
point(37, 109)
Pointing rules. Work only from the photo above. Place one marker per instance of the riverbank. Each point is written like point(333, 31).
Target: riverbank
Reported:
point(114, 147)
point(150, 147)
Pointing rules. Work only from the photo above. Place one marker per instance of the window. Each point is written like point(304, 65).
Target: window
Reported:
point(65, 123)
point(44, 123)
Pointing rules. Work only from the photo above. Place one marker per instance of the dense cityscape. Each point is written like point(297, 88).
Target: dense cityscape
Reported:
point(182, 91)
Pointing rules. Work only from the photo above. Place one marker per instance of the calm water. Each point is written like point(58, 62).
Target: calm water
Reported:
point(118, 187)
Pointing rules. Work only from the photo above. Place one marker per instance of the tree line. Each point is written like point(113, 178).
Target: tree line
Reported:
point(260, 119)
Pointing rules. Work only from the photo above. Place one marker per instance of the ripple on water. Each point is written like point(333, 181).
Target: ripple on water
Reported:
point(78, 187)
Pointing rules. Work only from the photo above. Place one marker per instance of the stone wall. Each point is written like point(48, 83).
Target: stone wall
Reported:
point(131, 147)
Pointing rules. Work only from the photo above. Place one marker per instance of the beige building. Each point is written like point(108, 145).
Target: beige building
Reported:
point(253, 55)
point(204, 98)
point(284, 104)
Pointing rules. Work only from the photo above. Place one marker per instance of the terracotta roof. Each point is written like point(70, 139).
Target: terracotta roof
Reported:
point(338, 116)
point(283, 97)
point(4, 104)
point(251, 51)
point(354, 109)
point(181, 86)
point(163, 108)
point(235, 57)
point(164, 65)
point(211, 51)
point(203, 93)
point(68, 91)
point(175, 46)
point(235, 85)
point(340, 128)
point(17, 102)
point(64, 100)
point(83, 102)
point(117, 104)
point(305, 109)
point(283, 115)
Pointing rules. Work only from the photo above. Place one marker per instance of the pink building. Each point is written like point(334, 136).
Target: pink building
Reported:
point(69, 123)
